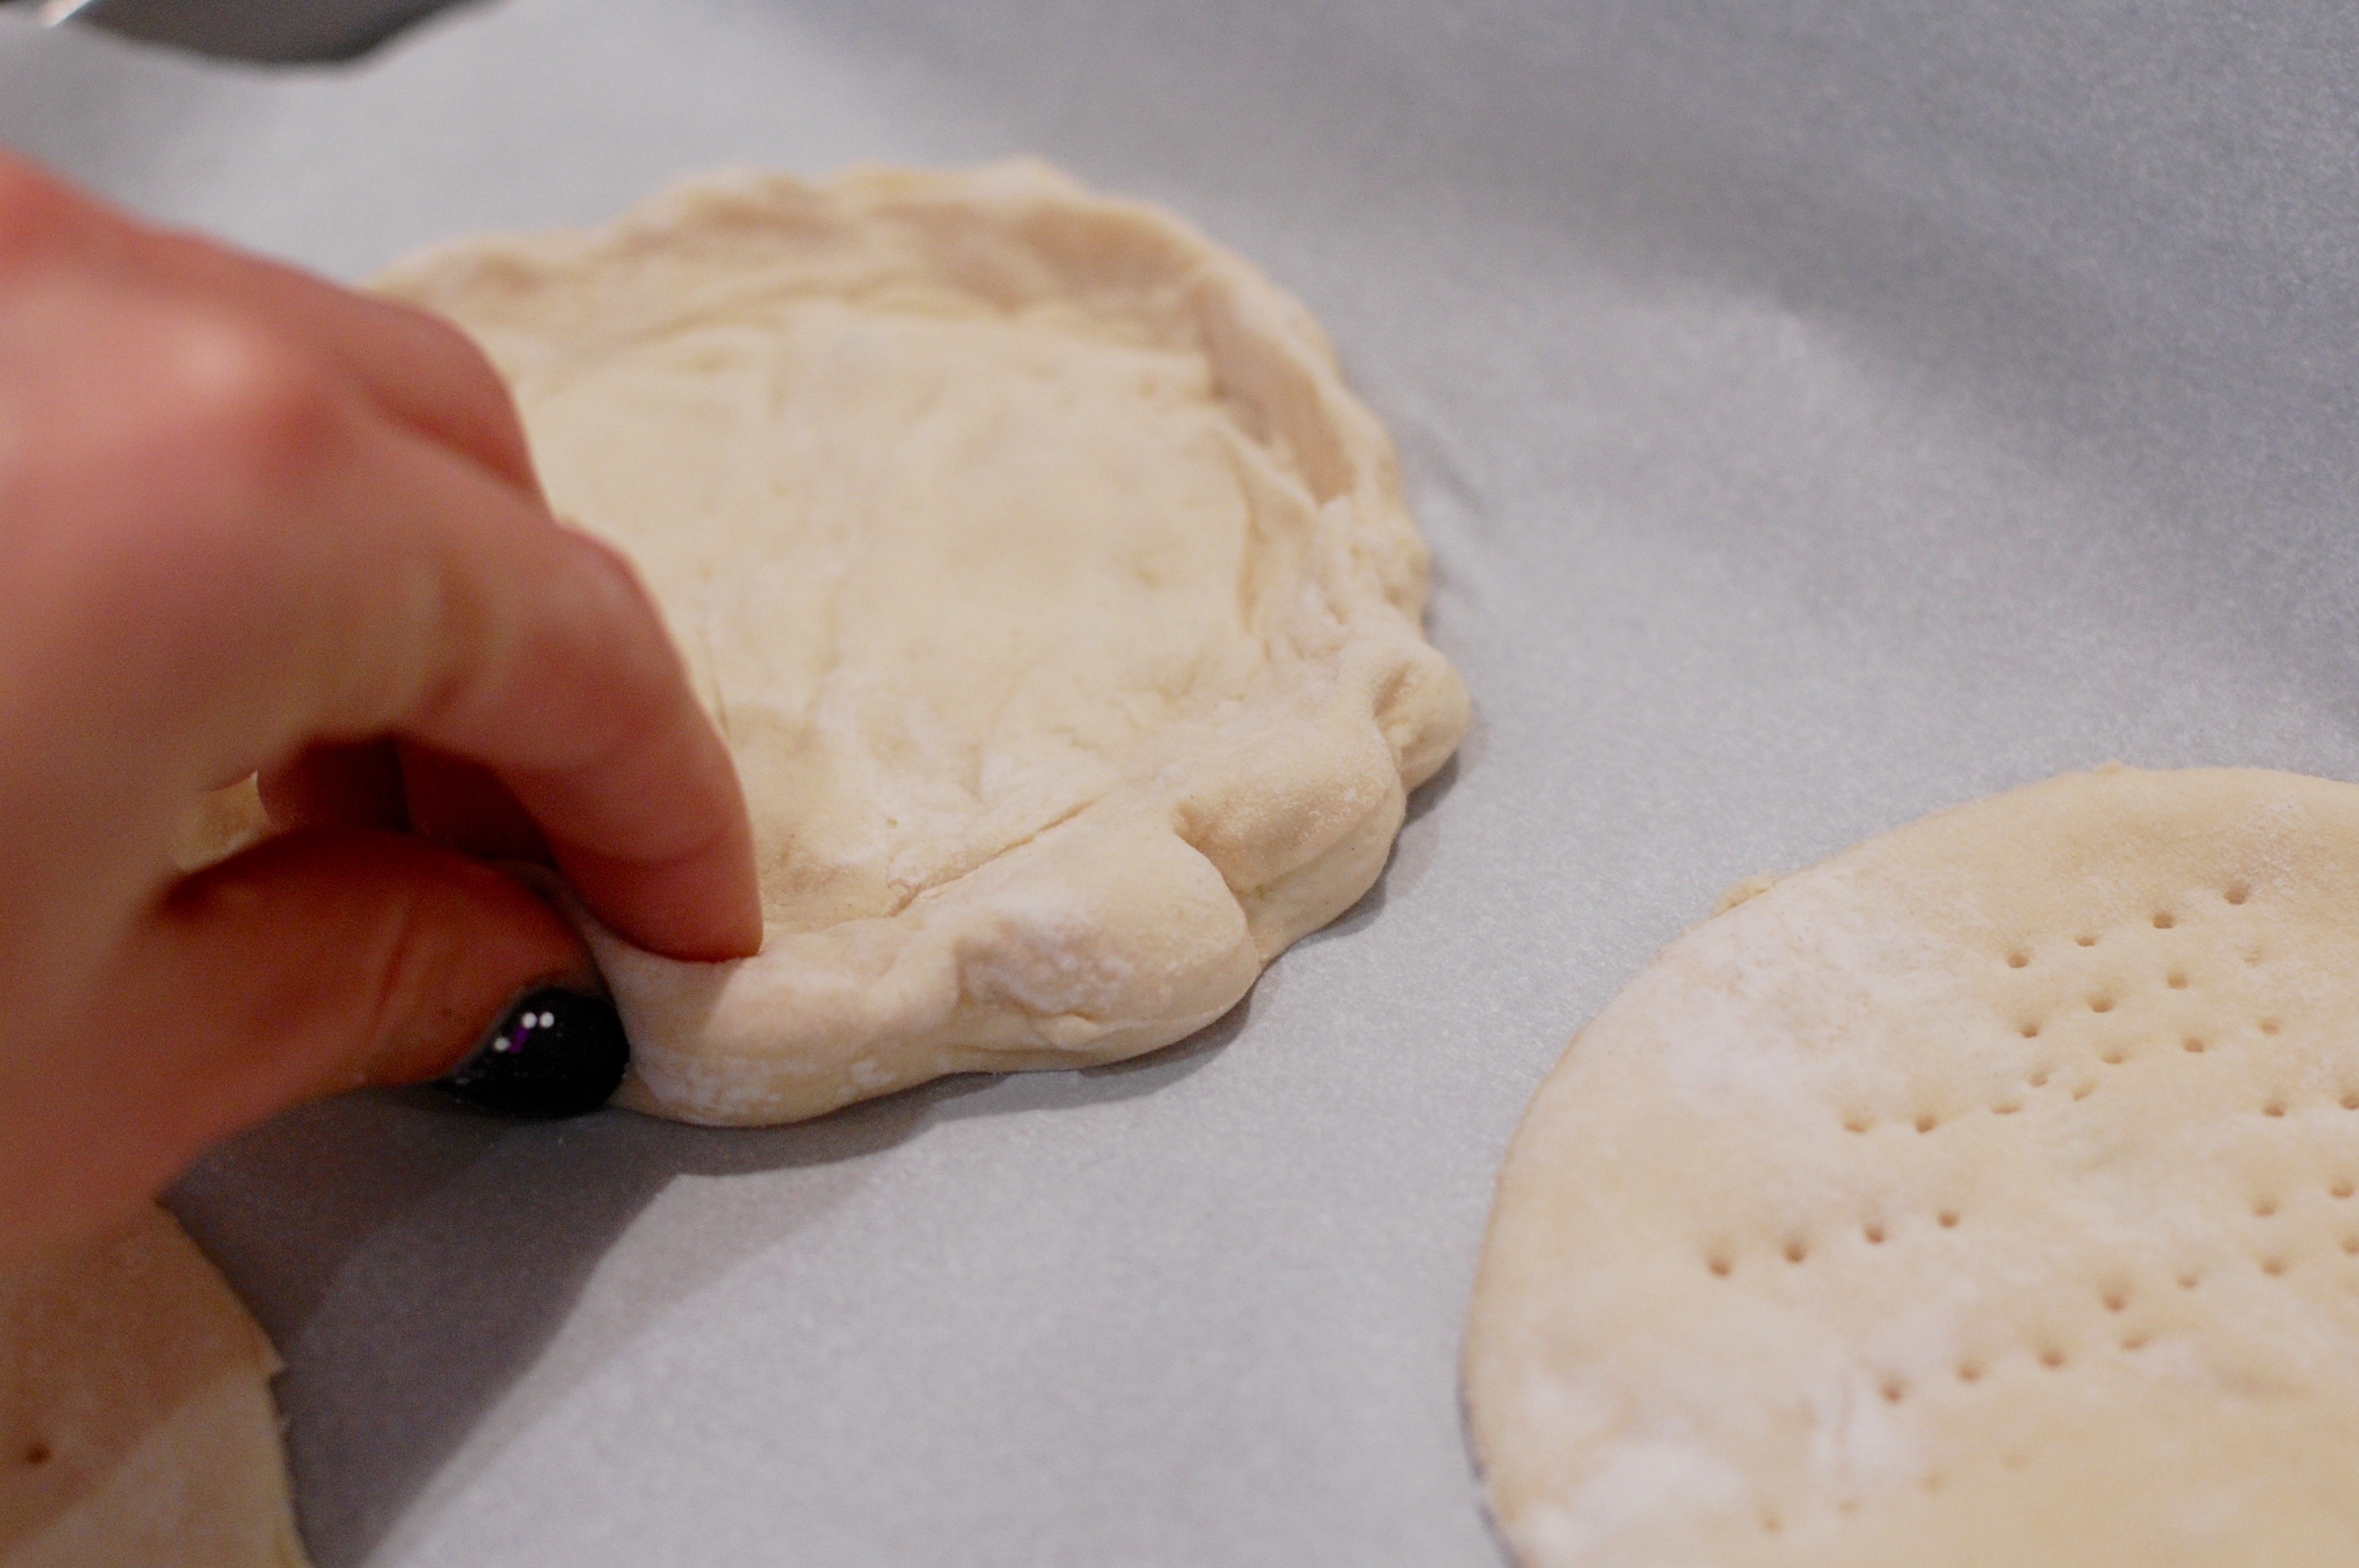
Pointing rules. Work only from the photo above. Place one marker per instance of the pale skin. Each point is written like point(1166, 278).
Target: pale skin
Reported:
point(250, 521)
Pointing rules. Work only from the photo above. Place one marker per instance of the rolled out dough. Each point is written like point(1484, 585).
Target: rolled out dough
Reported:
point(137, 1426)
point(1982, 1195)
point(1055, 596)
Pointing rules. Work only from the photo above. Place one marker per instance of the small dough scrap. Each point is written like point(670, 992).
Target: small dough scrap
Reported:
point(1985, 1195)
point(135, 1419)
point(1054, 597)
point(218, 824)
point(1738, 892)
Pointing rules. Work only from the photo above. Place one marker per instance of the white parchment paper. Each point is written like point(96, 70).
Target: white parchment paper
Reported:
point(1821, 412)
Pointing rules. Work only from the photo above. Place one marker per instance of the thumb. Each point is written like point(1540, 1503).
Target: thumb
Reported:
point(325, 960)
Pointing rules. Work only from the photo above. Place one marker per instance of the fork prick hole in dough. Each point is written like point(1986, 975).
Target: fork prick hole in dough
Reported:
point(1797, 1251)
point(2163, 921)
point(2101, 1004)
point(2269, 1026)
point(2086, 939)
point(1927, 1121)
point(2343, 1189)
point(2237, 893)
point(2018, 959)
point(2076, 1205)
point(36, 1454)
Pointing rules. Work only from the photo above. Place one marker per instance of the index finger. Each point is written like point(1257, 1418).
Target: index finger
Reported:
point(548, 663)
point(348, 578)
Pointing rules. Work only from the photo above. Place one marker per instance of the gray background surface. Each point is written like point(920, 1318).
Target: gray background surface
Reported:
point(1820, 413)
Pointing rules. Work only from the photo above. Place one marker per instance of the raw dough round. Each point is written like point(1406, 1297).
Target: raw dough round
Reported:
point(1982, 1195)
point(135, 1419)
point(1055, 596)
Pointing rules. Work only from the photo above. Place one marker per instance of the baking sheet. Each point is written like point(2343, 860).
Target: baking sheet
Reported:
point(1820, 413)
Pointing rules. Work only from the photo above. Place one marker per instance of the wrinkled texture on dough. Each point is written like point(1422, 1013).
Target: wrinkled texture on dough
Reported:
point(137, 1425)
point(1982, 1195)
point(1054, 595)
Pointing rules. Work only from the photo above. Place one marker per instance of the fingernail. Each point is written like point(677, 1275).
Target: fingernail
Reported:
point(556, 1053)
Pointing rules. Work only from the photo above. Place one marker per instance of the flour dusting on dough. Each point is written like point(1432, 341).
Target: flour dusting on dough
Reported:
point(1989, 1193)
point(1056, 595)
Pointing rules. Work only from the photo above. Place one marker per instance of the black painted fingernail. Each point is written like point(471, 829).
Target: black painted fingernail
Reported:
point(556, 1053)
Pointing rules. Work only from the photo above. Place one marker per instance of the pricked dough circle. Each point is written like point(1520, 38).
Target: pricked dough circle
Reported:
point(1811, 1251)
point(1055, 596)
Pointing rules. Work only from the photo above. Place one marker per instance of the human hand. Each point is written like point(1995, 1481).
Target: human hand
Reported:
point(250, 521)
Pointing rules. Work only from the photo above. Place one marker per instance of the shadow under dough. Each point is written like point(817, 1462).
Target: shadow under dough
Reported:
point(1370, 903)
point(413, 1258)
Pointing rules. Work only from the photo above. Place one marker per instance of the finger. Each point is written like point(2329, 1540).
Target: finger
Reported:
point(314, 963)
point(338, 786)
point(324, 575)
point(552, 668)
point(443, 607)
point(417, 368)
point(463, 806)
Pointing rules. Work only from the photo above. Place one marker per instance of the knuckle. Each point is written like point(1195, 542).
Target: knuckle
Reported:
point(444, 337)
point(624, 619)
point(616, 576)
point(475, 385)
point(237, 431)
point(250, 412)
point(442, 342)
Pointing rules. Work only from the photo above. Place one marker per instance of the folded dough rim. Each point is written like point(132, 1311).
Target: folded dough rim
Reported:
point(1149, 911)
